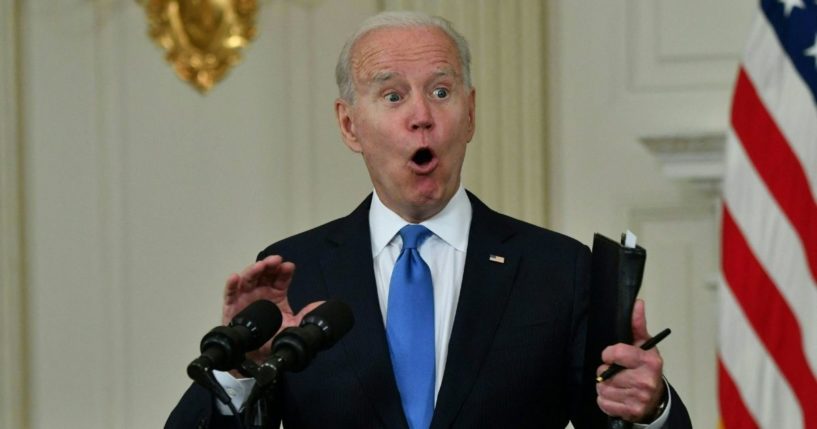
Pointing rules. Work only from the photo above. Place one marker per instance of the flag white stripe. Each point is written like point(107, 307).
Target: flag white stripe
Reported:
point(773, 241)
point(765, 392)
point(785, 95)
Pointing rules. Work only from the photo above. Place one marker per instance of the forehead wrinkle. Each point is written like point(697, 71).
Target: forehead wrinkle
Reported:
point(381, 59)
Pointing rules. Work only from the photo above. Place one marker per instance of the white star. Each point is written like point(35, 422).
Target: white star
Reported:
point(812, 51)
point(791, 4)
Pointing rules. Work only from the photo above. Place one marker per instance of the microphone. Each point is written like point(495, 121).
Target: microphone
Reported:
point(319, 330)
point(294, 348)
point(223, 347)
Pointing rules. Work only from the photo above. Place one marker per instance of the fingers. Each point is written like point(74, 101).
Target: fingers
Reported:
point(250, 277)
point(267, 279)
point(283, 276)
point(623, 354)
point(261, 273)
point(271, 272)
point(632, 394)
point(639, 323)
point(290, 319)
point(632, 358)
point(231, 287)
point(635, 404)
point(306, 310)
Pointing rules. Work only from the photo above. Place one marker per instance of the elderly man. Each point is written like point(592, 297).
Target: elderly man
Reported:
point(464, 317)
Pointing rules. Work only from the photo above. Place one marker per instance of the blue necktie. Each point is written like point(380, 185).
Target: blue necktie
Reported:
point(410, 328)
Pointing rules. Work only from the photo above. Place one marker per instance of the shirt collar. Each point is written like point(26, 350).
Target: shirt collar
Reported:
point(451, 224)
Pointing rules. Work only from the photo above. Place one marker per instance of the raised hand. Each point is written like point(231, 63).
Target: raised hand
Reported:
point(267, 279)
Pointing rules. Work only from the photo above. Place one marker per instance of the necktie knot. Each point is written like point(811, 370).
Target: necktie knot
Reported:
point(414, 235)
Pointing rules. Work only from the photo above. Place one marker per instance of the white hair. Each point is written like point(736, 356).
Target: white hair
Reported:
point(343, 70)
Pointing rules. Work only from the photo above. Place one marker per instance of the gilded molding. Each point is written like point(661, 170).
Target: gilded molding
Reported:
point(202, 39)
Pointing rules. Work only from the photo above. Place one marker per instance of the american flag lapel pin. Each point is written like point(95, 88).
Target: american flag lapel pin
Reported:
point(496, 258)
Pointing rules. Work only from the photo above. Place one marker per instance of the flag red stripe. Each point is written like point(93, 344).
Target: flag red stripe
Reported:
point(776, 164)
point(734, 413)
point(770, 316)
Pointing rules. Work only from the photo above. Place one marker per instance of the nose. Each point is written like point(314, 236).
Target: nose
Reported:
point(421, 118)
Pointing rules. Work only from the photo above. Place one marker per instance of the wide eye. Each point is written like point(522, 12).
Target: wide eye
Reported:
point(440, 93)
point(393, 97)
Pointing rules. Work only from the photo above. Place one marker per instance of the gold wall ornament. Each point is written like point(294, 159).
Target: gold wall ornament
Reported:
point(202, 39)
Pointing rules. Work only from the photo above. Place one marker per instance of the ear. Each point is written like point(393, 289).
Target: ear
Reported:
point(344, 112)
point(472, 114)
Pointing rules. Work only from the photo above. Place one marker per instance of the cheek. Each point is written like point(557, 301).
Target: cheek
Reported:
point(375, 134)
point(453, 121)
point(455, 134)
point(381, 157)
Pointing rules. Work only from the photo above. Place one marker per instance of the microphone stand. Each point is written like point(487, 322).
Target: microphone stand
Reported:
point(203, 375)
point(266, 376)
point(290, 353)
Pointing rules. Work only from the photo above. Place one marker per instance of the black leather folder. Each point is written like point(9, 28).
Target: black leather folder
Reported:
point(616, 273)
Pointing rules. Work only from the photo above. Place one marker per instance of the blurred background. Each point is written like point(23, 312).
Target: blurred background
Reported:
point(128, 197)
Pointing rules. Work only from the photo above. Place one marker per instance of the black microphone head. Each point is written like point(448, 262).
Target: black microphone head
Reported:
point(262, 319)
point(334, 318)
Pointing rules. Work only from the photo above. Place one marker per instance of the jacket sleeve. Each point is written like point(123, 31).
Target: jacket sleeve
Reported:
point(194, 410)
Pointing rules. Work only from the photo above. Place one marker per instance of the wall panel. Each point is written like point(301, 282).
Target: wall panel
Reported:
point(14, 355)
point(684, 45)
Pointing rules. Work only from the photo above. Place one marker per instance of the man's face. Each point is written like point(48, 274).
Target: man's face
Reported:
point(411, 119)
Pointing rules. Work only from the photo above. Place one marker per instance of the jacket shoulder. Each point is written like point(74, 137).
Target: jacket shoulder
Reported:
point(305, 244)
point(517, 231)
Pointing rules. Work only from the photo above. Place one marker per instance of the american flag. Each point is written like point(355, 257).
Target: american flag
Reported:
point(767, 358)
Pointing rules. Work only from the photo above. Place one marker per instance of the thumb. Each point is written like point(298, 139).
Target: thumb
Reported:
point(639, 323)
point(306, 310)
point(291, 321)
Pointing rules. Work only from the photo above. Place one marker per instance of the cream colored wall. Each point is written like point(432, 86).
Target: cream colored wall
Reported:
point(622, 71)
point(13, 353)
point(141, 195)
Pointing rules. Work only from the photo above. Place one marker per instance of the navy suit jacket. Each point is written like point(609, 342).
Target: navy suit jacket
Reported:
point(516, 354)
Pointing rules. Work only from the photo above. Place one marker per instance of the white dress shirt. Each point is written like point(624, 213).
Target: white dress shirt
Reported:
point(444, 252)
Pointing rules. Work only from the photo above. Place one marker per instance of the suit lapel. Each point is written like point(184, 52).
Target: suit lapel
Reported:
point(486, 285)
point(349, 274)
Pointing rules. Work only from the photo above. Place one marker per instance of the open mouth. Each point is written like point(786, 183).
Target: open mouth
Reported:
point(422, 157)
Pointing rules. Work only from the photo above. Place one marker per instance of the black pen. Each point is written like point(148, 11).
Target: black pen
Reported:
point(652, 342)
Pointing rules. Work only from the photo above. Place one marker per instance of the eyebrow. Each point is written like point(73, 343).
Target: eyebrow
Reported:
point(445, 72)
point(383, 76)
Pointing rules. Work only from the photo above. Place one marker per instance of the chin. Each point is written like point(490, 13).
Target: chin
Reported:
point(428, 195)
point(429, 203)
